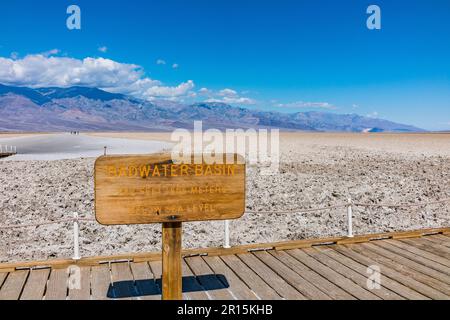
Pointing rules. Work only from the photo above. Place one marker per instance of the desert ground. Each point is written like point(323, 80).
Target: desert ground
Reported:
point(317, 170)
point(75, 146)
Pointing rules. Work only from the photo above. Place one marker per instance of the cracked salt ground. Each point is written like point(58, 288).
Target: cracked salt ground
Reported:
point(311, 175)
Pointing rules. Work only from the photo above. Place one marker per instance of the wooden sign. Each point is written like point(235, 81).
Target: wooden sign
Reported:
point(152, 189)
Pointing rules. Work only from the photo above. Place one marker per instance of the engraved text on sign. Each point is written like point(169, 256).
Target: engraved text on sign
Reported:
point(152, 189)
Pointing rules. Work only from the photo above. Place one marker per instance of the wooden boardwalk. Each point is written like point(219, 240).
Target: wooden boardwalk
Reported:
point(7, 151)
point(411, 268)
point(6, 154)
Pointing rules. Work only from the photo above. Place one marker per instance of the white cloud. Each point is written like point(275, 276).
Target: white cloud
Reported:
point(103, 49)
point(162, 91)
point(50, 52)
point(228, 93)
point(41, 70)
point(204, 91)
point(175, 66)
point(160, 62)
point(373, 114)
point(303, 104)
point(14, 55)
point(355, 106)
point(231, 100)
point(47, 70)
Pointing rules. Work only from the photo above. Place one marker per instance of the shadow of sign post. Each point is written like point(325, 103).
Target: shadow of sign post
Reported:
point(144, 189)
point(151, 287)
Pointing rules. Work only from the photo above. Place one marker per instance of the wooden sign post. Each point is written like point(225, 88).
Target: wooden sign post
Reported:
point(171, 261)
point(155, 189)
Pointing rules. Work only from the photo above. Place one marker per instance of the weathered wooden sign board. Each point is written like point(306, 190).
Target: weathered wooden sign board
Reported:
point(145, 189)
point(152, 189)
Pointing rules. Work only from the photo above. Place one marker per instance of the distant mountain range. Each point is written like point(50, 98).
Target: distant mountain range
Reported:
point(92, 109)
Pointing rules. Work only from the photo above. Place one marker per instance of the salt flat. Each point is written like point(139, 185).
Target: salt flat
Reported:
point(316, 170)
point(70, 146)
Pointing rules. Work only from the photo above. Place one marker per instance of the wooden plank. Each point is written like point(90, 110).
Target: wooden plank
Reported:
point(156, 268)
point(208, 279)
point(122, 281)
point(362, 267)
point(351, 274)
point(192, 288)
point(400, 273)
point(391, 235)
point(172, 275)
point(440, 240)
point(304, 243)
point(283, 288)
point(411, 294)
point(101, 282)
point(145, 282)
point(419, 272)
point(13, 285)
point(429, 247)
point(239, 289)
point(156, 189)
point(414, 257)
point(383, 250)
point(57, 285)
point(35, 286)
point(433, 288)
point(251, 279)
point(294, 279)
point(320, 282)
point(436, 244)
point(83, 291)
point(422, 253)
point(344, 283)
point(3, 276)
point(444, 237)
point(156, 256)
point(86, 261)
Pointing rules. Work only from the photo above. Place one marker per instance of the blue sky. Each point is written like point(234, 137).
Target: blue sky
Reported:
point(281, 55)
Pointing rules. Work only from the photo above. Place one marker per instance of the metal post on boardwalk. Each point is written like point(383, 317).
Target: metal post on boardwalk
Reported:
point(104, 152)
point(226, 243)
point(171, 261)
point(76, 243)
point(349, 219)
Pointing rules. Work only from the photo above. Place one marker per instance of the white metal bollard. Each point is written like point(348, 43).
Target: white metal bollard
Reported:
point(349, 219)
point(76, 243)
point(226, 243)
